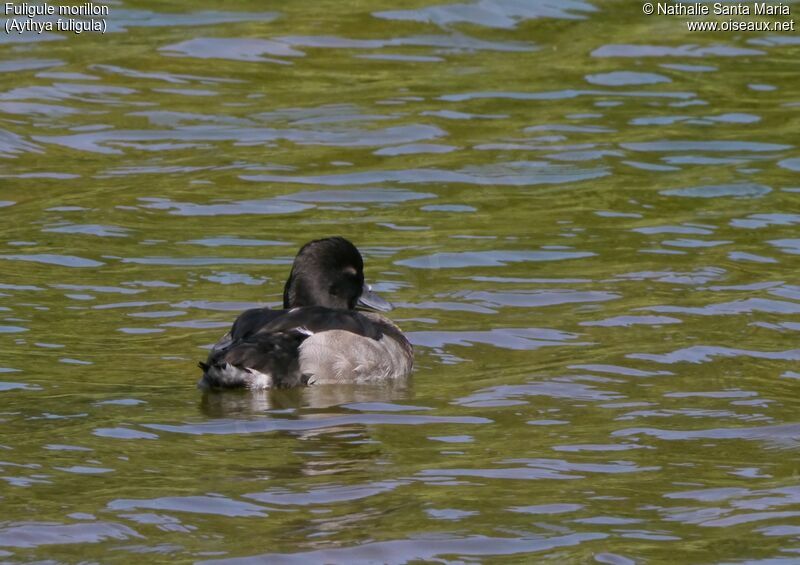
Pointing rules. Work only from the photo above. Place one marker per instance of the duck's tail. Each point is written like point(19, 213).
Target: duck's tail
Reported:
point(256, 363)
point(226, 375)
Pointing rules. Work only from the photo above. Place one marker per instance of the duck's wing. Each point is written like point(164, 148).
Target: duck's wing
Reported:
point(317, 319)
point(252, 321)
point(246, 325)
point(246, 357)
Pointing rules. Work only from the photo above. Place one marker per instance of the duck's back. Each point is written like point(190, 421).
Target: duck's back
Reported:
point(313, 345)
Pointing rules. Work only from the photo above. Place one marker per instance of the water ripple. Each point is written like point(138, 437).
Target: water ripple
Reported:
point(537, 298)
point(503, 14)
point(225, 427)
point(706, 353)
point(745, 306)
point(264, 206)
point(52, 259)
point(455, 41)
point(510, 395)
point(326, 494)
point(624, 78)
point(713, 146)
point(505, 338)
point(12, 144)
point(628, 50)
point(396, 552)
point(517, 173)
point(565, 94)
point(497, 258)
point(34, 534)
point(716, 191)
point(542, 469)
point(233, 48)
point(215, 505)
point(107, 141)
point(783, 434)
point(123, 18)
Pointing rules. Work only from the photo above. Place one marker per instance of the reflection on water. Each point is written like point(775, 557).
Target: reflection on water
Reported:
point(586, 217)
point(232, 403)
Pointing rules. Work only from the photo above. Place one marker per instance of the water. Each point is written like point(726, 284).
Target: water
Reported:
point(586, 218)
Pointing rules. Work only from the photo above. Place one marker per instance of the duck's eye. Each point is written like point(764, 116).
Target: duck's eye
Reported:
point(350, 271)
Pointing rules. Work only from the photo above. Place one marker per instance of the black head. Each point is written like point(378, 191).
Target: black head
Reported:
point(326, 272)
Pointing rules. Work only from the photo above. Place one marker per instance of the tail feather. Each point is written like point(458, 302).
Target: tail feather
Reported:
point(226, 375)
point(260, 362)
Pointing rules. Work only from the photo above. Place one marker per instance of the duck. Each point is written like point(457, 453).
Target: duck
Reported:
point(331, 330)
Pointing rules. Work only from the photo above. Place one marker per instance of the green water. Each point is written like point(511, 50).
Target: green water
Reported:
point(585, 217)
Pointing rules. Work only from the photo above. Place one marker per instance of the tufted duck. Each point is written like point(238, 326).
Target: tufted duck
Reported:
point(318, 337)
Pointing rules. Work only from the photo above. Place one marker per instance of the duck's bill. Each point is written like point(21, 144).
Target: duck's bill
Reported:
point(369, 300)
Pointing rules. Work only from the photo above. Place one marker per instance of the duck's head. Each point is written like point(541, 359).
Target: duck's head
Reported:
point(330, 272)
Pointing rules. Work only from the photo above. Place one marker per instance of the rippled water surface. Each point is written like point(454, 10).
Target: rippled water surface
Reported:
point(587, 219)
